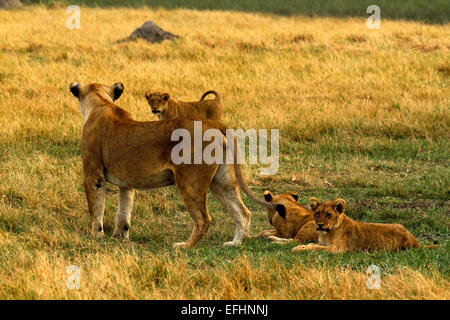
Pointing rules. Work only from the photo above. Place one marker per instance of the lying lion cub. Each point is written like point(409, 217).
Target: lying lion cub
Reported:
point(339, 233)
point(295, 222)
point(166, 108)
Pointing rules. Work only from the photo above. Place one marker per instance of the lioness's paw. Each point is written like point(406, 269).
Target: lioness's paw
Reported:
point(179, 245)
point(98, 234)
point(232, 243)
point(121, 235)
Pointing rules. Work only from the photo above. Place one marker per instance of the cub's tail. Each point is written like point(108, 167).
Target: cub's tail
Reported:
point(211, 92)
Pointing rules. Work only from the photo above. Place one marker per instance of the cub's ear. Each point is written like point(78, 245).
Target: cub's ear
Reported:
point(75, 89)
point(165, 96)
point(294, 195)
point(118, 89)
point(313, 203)
point(268, 196)
point(340, 205)
point(281, 209)
point(148, 95)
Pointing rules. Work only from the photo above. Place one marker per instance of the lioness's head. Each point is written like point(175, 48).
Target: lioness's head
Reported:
point(282, 200)
point(157, 101)
point(82, 92)
point(328, 214)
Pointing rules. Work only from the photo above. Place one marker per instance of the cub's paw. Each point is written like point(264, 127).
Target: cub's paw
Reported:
point(302, 248)
point(279, 240)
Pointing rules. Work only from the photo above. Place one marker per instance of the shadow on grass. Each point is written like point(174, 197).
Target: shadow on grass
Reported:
point(436, 11)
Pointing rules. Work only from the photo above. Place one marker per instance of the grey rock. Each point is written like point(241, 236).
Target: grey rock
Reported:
point(152, 33)
point(9, 4)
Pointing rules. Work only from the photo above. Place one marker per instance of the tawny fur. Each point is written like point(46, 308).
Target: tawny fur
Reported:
point(167, 108)
point(137, 155)
point(339, 233)
point(298, 222)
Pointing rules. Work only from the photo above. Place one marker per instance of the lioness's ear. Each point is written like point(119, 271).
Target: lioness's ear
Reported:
point(313, 203)
point(75, 89)
point(340, 205)
point(148, 95)
point(294, 195)
point(268, 196)
point(117, 90)
point(165, 96)
point(281, 209)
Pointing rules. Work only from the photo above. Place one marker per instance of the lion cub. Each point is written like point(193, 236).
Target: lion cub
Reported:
point(295, 222)
point(339, 233)
point(166, 108)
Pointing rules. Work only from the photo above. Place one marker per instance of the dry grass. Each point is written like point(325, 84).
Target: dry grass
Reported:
point(324, 82)
point(125, 276)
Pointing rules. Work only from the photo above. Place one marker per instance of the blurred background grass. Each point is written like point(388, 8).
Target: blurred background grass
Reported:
point(436, 11)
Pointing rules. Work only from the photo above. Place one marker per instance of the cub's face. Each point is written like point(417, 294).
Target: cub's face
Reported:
point(157, 101)
point(327, 214)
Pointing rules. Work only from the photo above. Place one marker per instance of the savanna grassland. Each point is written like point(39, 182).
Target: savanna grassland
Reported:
point(363, 115)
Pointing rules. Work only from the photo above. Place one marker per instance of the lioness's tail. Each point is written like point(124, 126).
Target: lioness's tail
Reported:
point(431, 246)
point(241, 181)
point(238, 171)
point(211, 92)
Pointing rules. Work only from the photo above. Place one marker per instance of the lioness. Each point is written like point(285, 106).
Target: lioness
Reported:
point(137, 155)
point(295, 222)
point(339, 233)
point(166, 108)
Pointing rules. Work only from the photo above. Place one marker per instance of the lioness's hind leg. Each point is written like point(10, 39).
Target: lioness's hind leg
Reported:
point(195, 200)
point(123, 217)
point(225, 189)
point(202, 220)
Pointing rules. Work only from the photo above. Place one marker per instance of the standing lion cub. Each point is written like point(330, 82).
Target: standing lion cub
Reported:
point(167, 108)
point(339, 233)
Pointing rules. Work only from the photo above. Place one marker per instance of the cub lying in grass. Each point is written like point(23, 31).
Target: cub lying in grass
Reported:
point(339, 233)
point(293, 222)
point(167, 108)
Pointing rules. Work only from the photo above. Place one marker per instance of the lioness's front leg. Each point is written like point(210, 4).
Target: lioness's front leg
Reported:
point(95, 193)
point(123, 217)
